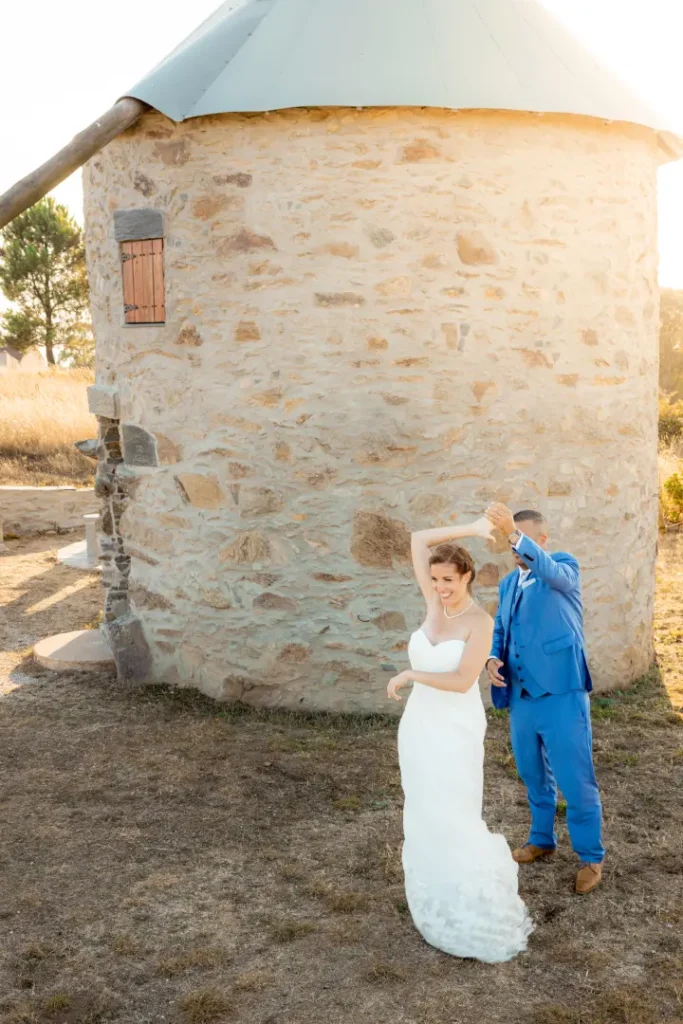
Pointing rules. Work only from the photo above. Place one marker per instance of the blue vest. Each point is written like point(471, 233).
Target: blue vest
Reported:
point(519, 678)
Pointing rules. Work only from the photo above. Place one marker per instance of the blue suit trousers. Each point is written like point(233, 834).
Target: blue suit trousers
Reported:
point(552, 745)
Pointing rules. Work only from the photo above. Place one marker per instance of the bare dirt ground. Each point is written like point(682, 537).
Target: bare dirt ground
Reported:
point(165, 859)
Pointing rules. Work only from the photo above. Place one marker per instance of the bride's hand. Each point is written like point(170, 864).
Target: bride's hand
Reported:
point(395, 684)
point(483, 528)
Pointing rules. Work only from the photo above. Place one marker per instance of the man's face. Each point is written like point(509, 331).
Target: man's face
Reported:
point(538, 533)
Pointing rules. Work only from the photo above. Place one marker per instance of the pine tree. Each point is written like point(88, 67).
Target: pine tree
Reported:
point(42, 272)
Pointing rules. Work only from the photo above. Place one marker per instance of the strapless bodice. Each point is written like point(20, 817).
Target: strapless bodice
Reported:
point(428, 657)
point(440, 657)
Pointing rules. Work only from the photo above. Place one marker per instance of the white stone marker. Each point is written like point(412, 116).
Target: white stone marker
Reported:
point(84, 554)
point(92, 546)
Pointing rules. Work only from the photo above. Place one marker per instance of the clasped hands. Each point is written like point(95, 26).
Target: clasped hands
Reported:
point(501, 518)
point(498, 517)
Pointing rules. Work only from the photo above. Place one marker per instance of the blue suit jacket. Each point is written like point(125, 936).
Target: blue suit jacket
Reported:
point(548, 625)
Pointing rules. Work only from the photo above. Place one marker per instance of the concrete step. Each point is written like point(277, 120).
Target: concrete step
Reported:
point(85, 650)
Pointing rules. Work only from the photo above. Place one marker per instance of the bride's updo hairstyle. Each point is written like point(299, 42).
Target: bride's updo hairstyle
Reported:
point(459, 558)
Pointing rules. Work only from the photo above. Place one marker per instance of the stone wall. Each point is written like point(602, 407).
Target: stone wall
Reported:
point(376, 321)
point(25, 511)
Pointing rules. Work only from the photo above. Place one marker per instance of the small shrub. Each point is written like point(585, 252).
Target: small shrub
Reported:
point(672, 498)
point(57, 1003)
point(670, 419)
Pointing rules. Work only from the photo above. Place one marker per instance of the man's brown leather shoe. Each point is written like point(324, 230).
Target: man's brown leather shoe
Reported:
point(588, 878)
point(529, 853)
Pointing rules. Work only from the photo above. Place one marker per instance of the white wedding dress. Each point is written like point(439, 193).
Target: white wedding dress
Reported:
point(461, 880)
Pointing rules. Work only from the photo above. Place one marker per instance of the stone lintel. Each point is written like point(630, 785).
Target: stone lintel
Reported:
point(138, 225)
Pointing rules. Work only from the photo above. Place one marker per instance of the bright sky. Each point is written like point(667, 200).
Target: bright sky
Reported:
point(63, 64)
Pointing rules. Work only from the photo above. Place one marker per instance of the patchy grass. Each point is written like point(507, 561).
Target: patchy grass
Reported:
point(191, 960)
point(166, 859)
point(289, 931)
point(62, 1008)
point(381, 972)
point(58, 1002)
point(41, 415)
point(620, 1006)
point(205, 1007)
point(251, 981)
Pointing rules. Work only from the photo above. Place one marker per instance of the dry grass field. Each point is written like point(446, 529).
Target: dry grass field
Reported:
point(41, 415)
point(166, 859)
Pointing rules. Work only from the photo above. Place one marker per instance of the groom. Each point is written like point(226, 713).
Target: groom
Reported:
point(538, 667)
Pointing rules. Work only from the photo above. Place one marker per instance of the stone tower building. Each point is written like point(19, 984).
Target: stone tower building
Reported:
point(362, 268)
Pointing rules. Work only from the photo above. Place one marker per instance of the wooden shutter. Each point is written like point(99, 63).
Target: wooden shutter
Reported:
point(144, 301)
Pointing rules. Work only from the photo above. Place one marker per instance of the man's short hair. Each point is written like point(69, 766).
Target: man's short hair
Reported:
point(529, 515)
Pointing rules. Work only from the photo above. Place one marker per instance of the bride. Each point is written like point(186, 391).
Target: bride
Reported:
point(461, 880)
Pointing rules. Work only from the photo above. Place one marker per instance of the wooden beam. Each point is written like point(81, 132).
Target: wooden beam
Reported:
point(95, 137)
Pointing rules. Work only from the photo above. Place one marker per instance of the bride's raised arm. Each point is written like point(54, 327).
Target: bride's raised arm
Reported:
point(422, 542)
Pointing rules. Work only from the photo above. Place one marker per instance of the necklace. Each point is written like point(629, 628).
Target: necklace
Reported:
point(458, 614)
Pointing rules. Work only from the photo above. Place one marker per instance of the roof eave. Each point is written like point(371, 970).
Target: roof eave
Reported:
point(670, 144)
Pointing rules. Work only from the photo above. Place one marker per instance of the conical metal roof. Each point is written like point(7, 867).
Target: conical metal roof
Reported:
point(262, 55)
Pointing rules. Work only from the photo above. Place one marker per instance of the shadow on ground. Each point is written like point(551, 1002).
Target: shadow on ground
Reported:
point(167, 859)
point(39, 597)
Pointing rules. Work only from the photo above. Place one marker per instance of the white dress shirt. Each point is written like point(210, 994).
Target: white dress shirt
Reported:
point(524, 575)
